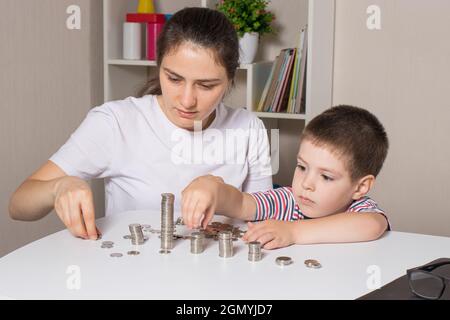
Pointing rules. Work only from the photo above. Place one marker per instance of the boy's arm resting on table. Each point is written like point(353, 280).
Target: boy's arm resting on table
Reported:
point(341, 227)
point(337, 228)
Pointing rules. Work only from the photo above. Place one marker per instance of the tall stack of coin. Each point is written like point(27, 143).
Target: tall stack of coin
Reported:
point(167, 227)
point(197, 242)
point(254, 251)
point(225, 244)
point(137, 236)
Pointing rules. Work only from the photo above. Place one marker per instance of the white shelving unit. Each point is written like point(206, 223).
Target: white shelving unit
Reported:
point(123, 78)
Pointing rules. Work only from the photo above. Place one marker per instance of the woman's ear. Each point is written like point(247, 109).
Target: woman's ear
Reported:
point(363, 186)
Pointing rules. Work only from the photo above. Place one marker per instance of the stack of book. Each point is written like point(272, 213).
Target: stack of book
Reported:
point(285, 88)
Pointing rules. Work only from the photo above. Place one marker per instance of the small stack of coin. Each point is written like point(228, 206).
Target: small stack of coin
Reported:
point(107, 244)
point(197, 242)
point(137, 236)
point(225, 244)
point(254, 251)
point(284, 261)
point(167, 226)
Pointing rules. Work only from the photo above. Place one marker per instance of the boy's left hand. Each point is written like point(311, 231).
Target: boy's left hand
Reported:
point(272, 233)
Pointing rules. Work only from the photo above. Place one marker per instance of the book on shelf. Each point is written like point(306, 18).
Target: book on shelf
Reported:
point(271, 84)
point(280, 99)
point(284, 89)
point(300, 98)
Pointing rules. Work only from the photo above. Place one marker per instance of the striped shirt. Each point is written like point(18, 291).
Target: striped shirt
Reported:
point(280, 204)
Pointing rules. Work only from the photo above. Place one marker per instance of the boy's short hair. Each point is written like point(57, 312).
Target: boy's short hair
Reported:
point(351, 132)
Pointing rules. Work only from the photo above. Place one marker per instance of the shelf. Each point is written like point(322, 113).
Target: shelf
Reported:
point(122, 62)
point(280, 115)
point(125, 77)
point(152, 63)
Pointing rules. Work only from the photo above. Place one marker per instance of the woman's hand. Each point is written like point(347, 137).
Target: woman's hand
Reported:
point(199, 201)
point(74, 205)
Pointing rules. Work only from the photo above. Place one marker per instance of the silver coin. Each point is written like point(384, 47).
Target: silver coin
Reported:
point(106, 243)
point(311, 263)
point(133, 253)
point(127, 236)
point(116, 255)
point(106, 247)
point(179, 222)
point(284, 261)
point(164, 251)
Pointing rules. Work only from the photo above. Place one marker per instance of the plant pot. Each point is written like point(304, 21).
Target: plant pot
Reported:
point(248, 46)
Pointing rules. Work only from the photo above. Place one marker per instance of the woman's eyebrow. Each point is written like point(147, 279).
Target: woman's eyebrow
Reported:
point(199, 80)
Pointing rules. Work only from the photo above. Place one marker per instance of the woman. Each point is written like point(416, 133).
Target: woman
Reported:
point(177, 130)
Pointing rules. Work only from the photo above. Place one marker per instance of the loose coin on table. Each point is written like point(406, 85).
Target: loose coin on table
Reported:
point(310, 263)
point(116, 255)
point(283, 261)
point(133, 253)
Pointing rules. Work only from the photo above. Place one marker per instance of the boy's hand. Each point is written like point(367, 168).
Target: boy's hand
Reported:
point(199, 201)
point(272, 233)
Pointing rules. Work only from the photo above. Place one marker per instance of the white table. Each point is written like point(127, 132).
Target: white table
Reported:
point(39, 269)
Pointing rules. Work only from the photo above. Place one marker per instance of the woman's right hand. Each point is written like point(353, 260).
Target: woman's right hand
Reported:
point(74, 205)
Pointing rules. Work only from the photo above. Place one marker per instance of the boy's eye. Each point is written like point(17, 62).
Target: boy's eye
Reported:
point(302, 168)
point(327, 178)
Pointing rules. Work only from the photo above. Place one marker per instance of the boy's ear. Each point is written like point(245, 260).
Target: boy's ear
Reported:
point(363, 186)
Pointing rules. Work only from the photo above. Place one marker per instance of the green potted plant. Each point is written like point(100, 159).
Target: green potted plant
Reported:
point(251, 19)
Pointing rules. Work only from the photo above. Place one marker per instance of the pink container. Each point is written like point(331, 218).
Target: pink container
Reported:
point(154, 23)
point(153, 31)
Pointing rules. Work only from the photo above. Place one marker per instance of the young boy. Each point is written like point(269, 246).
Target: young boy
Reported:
point(341, 152)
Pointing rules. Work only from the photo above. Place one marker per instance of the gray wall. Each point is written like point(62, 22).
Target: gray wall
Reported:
point(402, 74)
point(50, 78)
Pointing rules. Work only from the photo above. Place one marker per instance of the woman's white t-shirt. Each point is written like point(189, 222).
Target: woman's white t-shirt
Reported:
point(142, 154)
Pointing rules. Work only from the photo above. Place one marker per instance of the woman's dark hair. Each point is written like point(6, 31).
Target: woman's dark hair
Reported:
point(204, 27)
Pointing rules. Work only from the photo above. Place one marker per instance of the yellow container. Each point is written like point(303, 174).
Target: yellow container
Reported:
point(146, 6)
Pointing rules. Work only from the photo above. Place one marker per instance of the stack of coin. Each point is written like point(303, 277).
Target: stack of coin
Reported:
point(225, 244)
point(137, 236)
point(197, 242)
point(254, 251)
point(167, 226)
